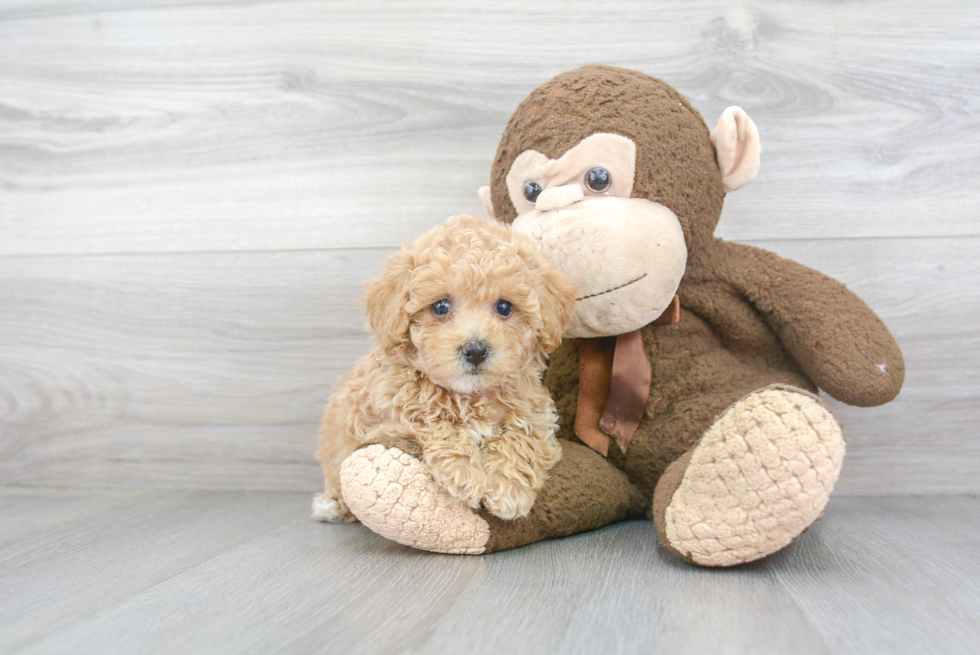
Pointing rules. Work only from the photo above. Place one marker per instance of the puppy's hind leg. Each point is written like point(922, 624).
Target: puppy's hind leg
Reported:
point(335, 445)
point(331, 508)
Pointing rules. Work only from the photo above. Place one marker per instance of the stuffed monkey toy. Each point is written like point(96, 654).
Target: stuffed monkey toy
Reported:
point(687, 381)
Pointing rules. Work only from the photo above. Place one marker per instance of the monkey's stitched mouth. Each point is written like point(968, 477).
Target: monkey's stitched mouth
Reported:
point(625, 284)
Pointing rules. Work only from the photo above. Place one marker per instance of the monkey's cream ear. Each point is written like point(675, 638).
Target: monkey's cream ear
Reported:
point(737, 148)
point(484, 193)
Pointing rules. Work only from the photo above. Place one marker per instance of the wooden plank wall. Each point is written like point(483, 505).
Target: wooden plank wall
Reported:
point(192, 193)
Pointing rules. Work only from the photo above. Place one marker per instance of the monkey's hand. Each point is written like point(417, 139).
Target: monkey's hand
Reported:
point(835, 337)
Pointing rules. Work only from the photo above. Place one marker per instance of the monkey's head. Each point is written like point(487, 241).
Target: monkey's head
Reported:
point(618, 179)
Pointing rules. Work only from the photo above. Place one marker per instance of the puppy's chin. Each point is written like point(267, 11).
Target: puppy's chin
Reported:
point(467, 383)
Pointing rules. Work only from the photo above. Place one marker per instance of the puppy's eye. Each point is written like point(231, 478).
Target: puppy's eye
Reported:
point(504, 308)
point(598, 179)
point(441, 307)
point(531, 191)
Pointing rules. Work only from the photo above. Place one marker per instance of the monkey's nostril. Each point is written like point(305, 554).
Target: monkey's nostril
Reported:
point(475, 352)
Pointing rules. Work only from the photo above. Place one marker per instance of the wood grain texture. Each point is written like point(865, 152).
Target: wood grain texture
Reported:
point(177, 126)
point(210, 370)
point(62, 575)
point(174, 370)
point(882, 573)
point(191, 194)
point(875, 575)
point(27, 512)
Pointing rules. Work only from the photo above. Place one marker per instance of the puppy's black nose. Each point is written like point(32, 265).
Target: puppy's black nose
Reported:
point(475, 352)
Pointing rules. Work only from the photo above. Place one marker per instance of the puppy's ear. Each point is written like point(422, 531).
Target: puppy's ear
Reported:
point(386, 302)
point(557, 300)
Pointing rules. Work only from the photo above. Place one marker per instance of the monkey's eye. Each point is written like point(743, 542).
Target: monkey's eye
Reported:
point(441, 307)
point(531, 191)
point(504, 308)
point(598, 179)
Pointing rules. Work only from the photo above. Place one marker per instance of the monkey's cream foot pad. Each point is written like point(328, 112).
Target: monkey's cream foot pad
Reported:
point(393, 494)
point(759, 477)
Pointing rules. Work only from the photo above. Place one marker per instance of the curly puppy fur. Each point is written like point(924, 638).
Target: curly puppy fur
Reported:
point(487, 428)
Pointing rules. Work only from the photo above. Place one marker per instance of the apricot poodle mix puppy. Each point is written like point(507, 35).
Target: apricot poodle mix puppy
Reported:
point(463, 321)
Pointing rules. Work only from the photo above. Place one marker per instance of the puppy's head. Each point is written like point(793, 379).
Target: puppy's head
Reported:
point(469, 304)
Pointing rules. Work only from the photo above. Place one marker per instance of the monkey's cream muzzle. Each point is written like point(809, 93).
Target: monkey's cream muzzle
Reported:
point(625, 255)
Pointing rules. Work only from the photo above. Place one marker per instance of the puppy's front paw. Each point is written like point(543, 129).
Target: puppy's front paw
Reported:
point(509, 498)
point(460, 474)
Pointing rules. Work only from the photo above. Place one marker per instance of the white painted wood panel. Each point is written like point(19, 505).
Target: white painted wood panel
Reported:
point(191, 194)
point(209, 370)
point(175, 370)
point(174, 126)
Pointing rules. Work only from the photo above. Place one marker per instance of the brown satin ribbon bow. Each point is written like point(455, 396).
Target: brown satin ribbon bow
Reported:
point(614, 386)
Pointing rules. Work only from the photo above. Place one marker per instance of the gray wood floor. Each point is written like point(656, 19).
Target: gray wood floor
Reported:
point(84, 571)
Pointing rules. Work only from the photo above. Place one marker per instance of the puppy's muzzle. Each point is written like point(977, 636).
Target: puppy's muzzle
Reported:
point(475, 352)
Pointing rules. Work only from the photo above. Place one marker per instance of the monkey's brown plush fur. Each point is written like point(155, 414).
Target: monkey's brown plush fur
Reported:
point(735, 455)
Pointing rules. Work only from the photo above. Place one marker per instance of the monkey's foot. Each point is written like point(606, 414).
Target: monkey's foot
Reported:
point(757, 479)
point(391, 492)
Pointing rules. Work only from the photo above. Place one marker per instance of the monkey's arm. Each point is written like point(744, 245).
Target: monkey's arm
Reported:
point(835, 337)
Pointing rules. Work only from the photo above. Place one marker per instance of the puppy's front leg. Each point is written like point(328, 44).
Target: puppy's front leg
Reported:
point(452, 455)
point(516, 466)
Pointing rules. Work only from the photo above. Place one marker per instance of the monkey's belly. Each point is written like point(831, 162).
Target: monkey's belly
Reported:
point(695, 379)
